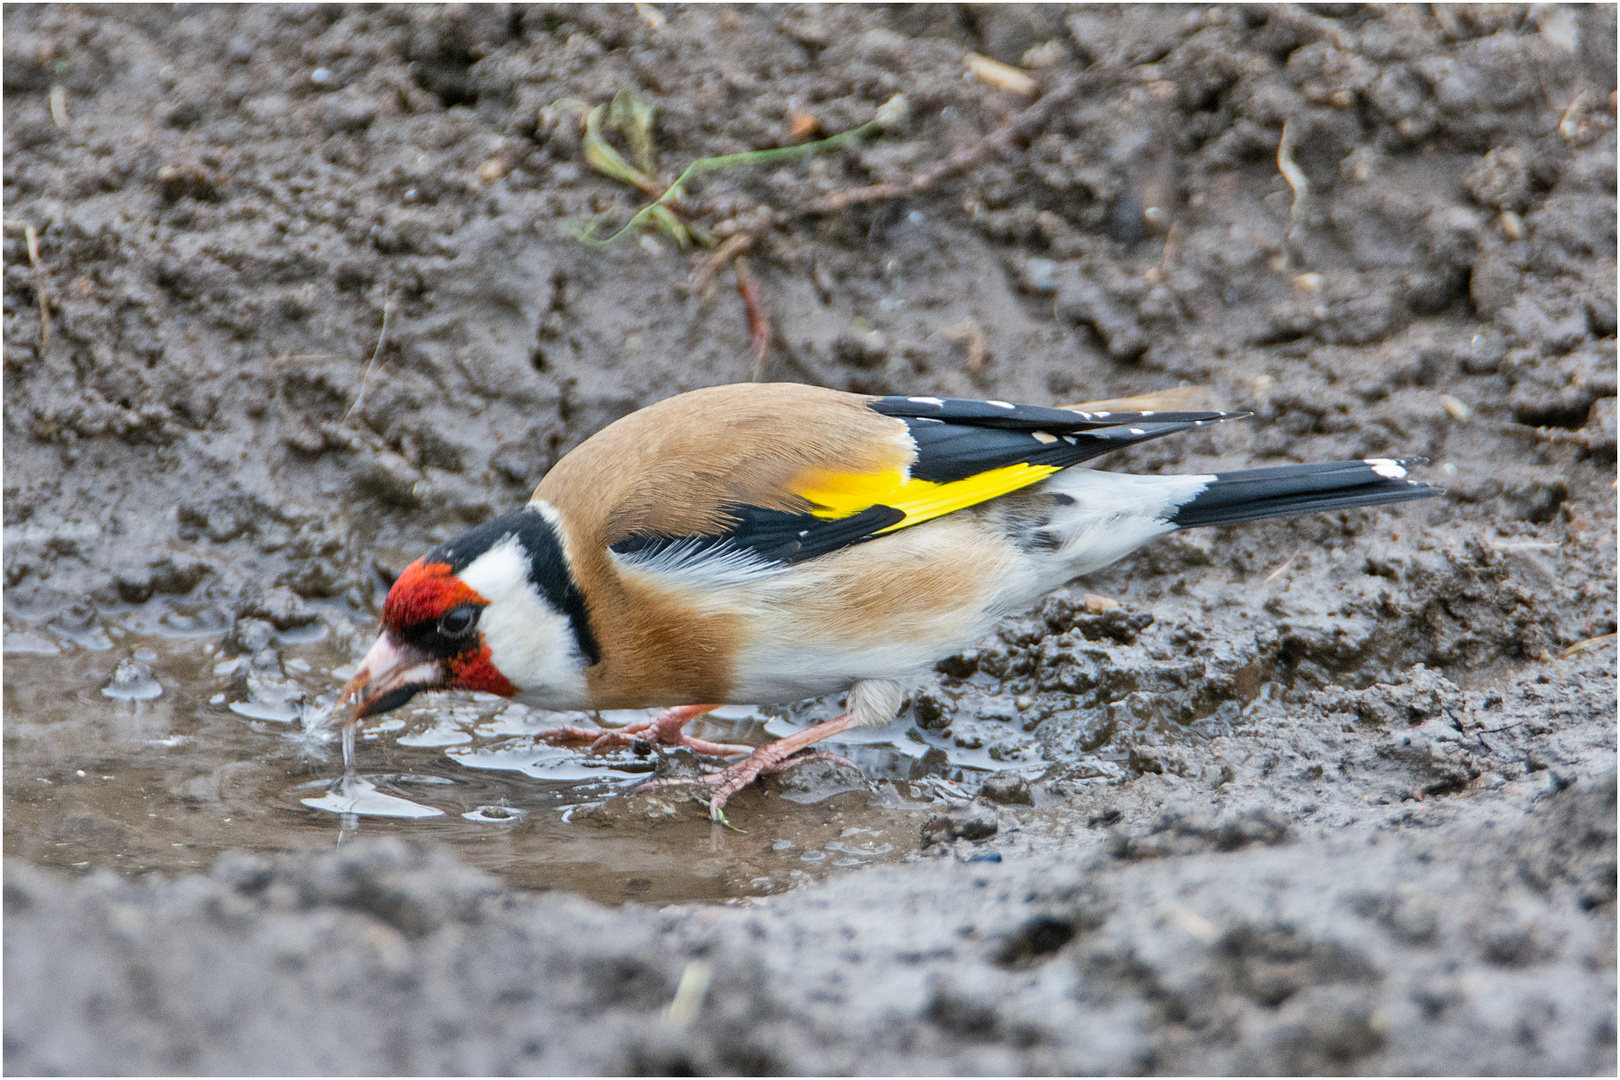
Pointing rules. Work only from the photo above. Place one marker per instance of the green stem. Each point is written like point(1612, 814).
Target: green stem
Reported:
point(726, 161)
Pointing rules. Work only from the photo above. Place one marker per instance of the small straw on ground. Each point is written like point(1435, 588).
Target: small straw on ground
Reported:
point(1296, 180)
point(31, 238)
point(382, 335)
point(964, 158)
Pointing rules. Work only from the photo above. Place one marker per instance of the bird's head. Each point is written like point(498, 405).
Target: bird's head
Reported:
point(496, 609)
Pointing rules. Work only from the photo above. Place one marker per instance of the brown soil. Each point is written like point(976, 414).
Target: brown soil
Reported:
point(291, 294)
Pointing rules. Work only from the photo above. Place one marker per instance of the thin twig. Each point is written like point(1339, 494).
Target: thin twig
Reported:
point(382, 335)
point(31, 238)
point(759, 324)
point(1159, 272)
point(714, 262)
point(1279, 571)
point(1588, 645)
point(1296, 180)
point(1022, 124)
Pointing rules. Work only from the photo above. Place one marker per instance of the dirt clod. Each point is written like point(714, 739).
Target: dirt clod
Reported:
point(1326, 794)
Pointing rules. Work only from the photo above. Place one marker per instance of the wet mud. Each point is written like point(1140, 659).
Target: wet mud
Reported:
point(292, 293)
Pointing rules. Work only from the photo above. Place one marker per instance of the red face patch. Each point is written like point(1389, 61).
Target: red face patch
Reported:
point(424, 591)
point(474, 671)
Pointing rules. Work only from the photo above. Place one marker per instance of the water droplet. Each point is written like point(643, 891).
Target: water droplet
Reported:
point(359, 796)
point(133, 681)
point(499, 815)
point(30, 643)
point(283, 712)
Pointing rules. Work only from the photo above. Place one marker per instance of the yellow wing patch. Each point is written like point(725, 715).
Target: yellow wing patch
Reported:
point(834, 495)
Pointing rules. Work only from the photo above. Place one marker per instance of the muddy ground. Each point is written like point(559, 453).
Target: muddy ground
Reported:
point(292, 293)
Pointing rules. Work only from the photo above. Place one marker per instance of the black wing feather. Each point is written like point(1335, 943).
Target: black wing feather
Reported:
point(952, 451)
point(956, 438)
point(1004, 415)
point(1252, 494)
point(772, 535)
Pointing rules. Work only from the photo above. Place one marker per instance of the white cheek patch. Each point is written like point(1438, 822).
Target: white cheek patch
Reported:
point(530, 642)
point(498, 571)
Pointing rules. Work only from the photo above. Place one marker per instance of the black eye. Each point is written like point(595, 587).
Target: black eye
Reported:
point(458, 621)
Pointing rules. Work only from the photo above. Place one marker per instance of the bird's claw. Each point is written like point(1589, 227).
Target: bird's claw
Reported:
point(728, 781)
point(718, 816)
point(665, 729)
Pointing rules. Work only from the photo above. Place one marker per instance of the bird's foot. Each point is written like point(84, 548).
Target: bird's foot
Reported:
point(668, 728)
point(762, 762)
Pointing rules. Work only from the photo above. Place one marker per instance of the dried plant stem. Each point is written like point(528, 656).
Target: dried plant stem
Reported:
point(382, 335)
point(1588, 645)
point(31, 238)
point(759, 324)
point(1296, 180)
point(714, 262)
point(1024, 123)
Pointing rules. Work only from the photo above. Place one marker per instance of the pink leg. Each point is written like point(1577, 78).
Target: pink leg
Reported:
point(665, 729)
point(765, 760)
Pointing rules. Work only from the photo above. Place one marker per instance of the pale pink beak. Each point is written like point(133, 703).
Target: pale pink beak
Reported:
point(389, 676)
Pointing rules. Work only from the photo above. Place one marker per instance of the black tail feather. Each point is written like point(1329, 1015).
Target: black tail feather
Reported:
point(1251, 494)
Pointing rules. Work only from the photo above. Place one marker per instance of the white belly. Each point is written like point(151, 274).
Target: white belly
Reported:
point(891, 608)
point(888, 609)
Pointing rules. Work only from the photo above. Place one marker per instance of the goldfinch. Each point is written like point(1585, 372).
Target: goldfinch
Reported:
point(764, 543)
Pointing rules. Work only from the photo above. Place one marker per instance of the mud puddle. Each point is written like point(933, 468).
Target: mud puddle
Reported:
point(137, 743)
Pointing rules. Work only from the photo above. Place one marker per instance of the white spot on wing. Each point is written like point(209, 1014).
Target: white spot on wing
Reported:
point(1387, 468)
point(934, 401)
point(1137, 431)
point(1043, 437)
point(1001, 404)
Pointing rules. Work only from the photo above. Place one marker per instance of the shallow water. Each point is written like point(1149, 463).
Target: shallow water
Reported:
point(134, 742)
